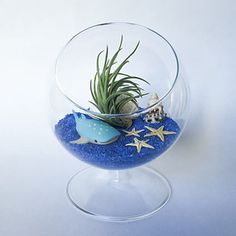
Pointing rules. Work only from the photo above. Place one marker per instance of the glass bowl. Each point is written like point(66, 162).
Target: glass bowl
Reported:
point(114, 143)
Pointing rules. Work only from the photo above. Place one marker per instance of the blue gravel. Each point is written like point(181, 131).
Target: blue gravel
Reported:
point(116, 155)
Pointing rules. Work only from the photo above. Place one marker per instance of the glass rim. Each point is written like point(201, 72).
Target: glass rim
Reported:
point(140, 110)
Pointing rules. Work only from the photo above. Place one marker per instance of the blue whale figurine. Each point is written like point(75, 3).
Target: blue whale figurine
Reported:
point(94, 131)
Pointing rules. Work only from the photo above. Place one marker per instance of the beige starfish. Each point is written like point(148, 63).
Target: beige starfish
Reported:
point(139, 144)
point(133, 132)
point(158, 132)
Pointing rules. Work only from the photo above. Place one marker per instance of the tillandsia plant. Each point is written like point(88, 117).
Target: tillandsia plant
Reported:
point(112, 89)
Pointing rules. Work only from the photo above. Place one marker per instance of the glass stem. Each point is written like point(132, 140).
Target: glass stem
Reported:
point(117, 176)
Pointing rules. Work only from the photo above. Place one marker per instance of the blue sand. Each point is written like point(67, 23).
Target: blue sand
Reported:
point(116, 155)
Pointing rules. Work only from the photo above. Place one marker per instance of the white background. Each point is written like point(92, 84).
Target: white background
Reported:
point(34, 168)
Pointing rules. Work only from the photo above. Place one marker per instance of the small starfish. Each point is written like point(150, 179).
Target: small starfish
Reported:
point(158, 132)
point(139, 144)
point(133, 132)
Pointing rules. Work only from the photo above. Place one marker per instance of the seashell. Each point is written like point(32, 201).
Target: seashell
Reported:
point(153, 99)
point(129, 107)
point(157, 114)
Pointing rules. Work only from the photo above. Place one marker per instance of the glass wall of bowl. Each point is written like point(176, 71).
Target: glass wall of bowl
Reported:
point(119, 101)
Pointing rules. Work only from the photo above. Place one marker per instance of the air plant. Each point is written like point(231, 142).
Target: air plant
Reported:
point(112, 89)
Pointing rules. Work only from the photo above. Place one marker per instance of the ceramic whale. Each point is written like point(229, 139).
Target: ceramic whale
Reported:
point(94, 131)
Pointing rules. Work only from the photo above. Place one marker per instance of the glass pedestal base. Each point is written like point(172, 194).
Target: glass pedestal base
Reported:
point(119, 196)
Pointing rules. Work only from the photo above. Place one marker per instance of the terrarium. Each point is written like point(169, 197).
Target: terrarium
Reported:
point(118, 102)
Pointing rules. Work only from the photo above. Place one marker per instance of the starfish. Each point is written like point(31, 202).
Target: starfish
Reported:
point(133, 132)
point(158, 132)
point(139, 144)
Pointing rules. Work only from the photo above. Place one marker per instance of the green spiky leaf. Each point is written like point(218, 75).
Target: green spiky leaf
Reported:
point(111, 89)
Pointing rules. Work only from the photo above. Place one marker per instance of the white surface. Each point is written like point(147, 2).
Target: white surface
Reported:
point(34, 168)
